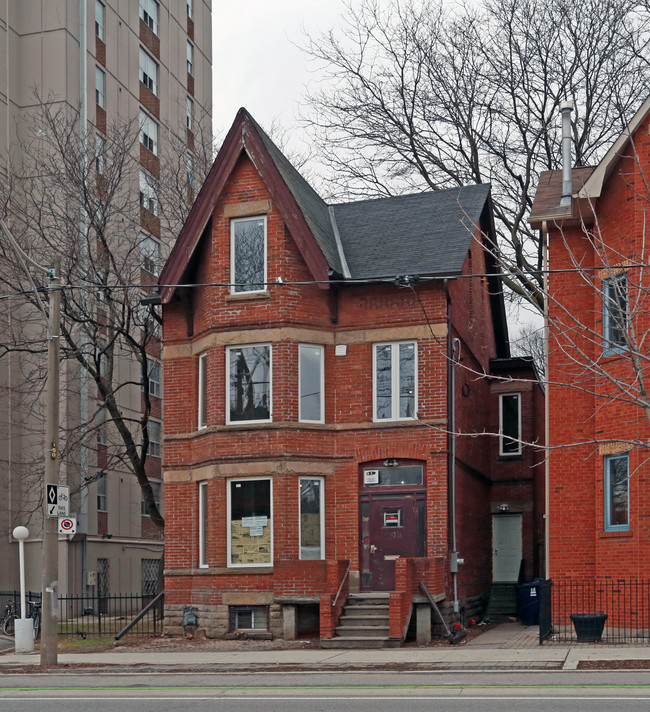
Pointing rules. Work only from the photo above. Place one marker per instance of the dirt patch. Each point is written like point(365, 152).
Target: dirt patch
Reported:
point(614, 665)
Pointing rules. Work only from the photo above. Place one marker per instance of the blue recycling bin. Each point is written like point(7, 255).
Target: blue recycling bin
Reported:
point(528, 602)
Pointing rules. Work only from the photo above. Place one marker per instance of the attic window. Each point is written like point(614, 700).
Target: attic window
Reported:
point(248, 254)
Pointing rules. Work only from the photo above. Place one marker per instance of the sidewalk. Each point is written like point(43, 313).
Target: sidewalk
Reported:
point(509, 646)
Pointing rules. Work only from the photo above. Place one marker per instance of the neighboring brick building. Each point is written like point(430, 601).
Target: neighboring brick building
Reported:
point(598, 320)
point(309, 399)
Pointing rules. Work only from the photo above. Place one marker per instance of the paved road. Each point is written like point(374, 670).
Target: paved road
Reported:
point(313, 692)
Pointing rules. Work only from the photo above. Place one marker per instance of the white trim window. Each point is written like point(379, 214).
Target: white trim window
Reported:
point(190, 169)
point(202, 415)
point(157, 489)
point(154, 429)
point(148, 133)
point(149, 254)
point(248, 254)
point(150, 14)
point(509, 424)
point(311, 383)
point(148, 193)
point(148, 68)
point(203, 525)
point(248, 371)
point(395, 371)
point(100, 149)
point(617, 493)
point(312, 517)
point(154, 373)
point(250, 522)
point(615, 313)
point(101, 493)
point(100, 20)
point(100, 87)
point(190, 8)
point(190, 58)
point(189, 113)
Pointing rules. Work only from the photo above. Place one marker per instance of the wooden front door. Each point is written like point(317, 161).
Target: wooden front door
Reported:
point(391, 527)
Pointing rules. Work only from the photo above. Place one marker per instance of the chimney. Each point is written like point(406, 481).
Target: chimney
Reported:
point(566, 107)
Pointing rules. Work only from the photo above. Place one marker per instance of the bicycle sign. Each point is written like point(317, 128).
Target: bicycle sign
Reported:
point(57, 500)
point(68, 525)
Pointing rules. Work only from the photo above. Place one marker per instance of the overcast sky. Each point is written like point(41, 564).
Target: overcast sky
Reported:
point(255, 62)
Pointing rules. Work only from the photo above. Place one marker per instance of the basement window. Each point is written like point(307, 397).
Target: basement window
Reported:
point(243, 618)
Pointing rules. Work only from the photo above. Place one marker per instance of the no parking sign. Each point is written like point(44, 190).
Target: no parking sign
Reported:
point(67, 525)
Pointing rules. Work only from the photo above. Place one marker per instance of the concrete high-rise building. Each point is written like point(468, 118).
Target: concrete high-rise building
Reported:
point(104, 64)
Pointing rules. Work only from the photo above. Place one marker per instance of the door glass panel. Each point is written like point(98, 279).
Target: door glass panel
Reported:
point(392, 517)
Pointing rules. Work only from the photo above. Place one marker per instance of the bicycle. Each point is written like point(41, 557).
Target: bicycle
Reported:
point(9, 618)
point(36, 617)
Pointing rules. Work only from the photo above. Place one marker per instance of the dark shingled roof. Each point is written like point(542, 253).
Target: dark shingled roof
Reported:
point(425, 233)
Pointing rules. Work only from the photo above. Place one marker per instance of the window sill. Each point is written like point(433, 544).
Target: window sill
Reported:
point(248, 296)
point(622, 534)
point(219, 571)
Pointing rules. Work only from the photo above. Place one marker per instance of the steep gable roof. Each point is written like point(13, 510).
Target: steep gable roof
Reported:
point(424, 234)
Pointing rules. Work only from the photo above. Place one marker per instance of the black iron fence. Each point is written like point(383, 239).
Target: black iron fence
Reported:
point(97, 616)
point(607, 611)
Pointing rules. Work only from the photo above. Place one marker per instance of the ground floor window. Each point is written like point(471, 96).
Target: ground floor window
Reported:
point(312, 544)
point(249, 618)
point(617, 501)
point(250, 522)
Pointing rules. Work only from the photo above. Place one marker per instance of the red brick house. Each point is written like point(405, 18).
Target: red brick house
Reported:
point(598, 355)
point(317, 359)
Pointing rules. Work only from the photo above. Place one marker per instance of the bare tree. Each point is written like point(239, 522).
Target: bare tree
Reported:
point(422, 96)
point(78, 201)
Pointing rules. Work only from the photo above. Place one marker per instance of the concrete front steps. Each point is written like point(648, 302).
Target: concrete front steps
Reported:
point(364, 623)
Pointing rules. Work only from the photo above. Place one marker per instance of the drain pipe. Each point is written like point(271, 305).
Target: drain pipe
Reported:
point(566, 107)
point(454, 357)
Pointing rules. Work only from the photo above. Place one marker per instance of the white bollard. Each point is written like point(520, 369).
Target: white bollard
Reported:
point(24, 635)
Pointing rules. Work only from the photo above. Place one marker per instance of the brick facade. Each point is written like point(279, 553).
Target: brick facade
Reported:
point(346, 322)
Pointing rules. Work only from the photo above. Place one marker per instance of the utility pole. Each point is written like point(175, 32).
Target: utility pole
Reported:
point(49, 630)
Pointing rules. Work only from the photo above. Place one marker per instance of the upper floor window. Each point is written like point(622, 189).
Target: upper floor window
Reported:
point(190, 8)
point(249, 374)
point(203, 392)
point(153, 427)
point(617, 500)
point(100, 87)
point(148, 72)
point(311, 383)
point(189, 113)
point(190, 170)
point(149, 254)
point(157, 488)
point(148, 193)
point(615, 313)
point(248, 254)
point(100, 20)
point(100, 148)
point(101, 493)
point(510, 424)
point(190, 58)
point(395, 381)
point(149, 133)
point(154, 375)
point(149, 12)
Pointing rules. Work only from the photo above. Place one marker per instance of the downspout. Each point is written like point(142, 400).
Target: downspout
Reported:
point(547, 468)
point(452, 345)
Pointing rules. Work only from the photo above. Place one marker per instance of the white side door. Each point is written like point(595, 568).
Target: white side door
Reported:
point(506, 547)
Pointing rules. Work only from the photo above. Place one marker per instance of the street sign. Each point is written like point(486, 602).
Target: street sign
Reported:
point(57, 501)
point(68, 525)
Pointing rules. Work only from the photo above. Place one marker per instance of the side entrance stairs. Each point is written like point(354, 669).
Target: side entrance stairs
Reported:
point(364, 623)
point(503, 602)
